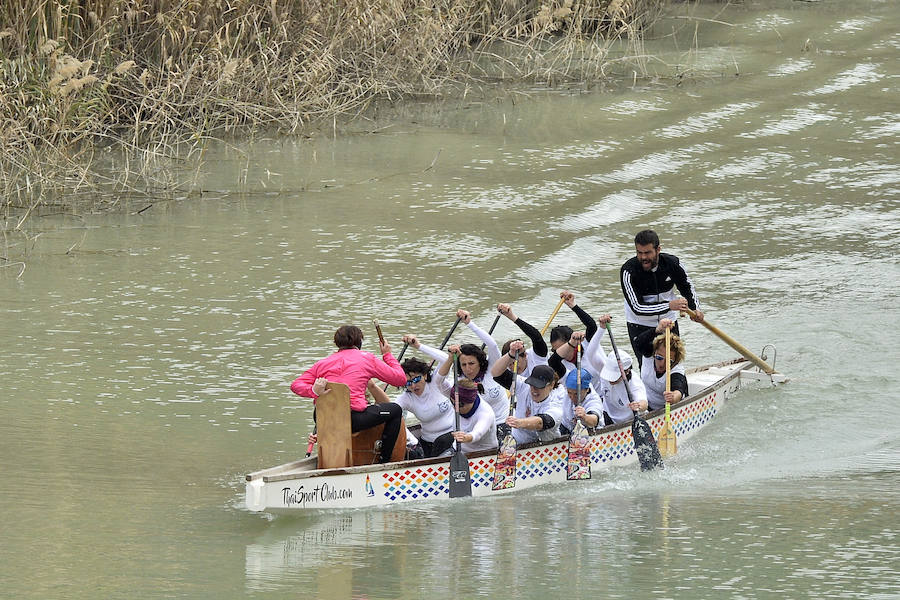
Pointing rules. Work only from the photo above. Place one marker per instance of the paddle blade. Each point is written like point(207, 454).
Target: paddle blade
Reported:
point(505, 464)
point(645, 445)
point(579, 459)
point(460, 479)
point(668, 444)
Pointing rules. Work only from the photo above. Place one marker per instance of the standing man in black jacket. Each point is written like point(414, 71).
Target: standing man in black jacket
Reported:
point(648, 282)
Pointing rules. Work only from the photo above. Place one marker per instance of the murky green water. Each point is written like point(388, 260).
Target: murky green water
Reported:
point(144, 372)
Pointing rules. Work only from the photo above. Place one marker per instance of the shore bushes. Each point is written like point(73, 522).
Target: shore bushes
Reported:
point(97, 96)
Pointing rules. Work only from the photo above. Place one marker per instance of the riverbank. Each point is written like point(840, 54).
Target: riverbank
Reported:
point(106, 101)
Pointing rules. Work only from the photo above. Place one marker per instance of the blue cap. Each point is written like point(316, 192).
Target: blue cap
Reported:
point(572, 379)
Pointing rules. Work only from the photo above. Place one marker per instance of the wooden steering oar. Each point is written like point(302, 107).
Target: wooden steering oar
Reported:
point(734, 344)
point(668, 444)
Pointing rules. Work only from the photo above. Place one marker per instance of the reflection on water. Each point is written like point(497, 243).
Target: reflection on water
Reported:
point(806, 540)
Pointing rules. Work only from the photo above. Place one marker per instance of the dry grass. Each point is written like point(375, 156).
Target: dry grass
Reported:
point(157, 78)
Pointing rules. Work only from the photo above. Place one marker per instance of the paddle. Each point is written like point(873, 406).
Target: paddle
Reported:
point(505, 462)
point(460, 478)
point(668, 444)
point(491, 330)
point(446, 339)
point(734, 344)
point(309, 446)
point(550, 320)
point(578, 460)
point(644, 445)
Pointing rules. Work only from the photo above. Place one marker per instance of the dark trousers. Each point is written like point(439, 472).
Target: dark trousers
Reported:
point(440, 445)
point(388, 413)
point(634, 331)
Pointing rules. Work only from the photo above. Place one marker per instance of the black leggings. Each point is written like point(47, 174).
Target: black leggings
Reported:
point(634, 330)
point(388, 413)
point(440, 445)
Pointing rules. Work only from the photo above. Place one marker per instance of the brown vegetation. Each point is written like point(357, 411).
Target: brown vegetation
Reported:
point(156, 78)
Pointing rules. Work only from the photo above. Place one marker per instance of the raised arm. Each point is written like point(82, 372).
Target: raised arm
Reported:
point(538, 345)
point(500, 371)
point(433, 353)
point(590, 327)
point(493, 350)
point(595, 345)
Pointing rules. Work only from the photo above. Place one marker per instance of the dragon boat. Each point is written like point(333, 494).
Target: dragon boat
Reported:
point(302, 486)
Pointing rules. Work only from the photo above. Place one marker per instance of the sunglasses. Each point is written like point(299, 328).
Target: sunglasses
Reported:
point(659, 357)
point(414, 380)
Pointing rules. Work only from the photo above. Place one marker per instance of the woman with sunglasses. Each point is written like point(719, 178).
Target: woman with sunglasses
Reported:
point(476, 419)
point(652, 343)
point(423, 398)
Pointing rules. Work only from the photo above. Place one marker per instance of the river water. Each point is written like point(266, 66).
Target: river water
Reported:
point(146, 370)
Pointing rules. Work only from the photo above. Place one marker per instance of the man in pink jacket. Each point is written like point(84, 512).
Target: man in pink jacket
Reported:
point(353, 367)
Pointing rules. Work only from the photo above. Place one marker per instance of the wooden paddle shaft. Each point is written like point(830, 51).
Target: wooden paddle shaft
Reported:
point(550, 320)
point(380, 334)
point(668, 362)
point(734, 344)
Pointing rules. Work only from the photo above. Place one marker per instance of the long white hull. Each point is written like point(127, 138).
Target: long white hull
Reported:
point(299, 486)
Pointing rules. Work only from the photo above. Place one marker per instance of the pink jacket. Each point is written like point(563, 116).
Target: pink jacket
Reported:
point(354, 368)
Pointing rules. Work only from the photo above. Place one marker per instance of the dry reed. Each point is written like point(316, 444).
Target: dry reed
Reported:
point(154, 79)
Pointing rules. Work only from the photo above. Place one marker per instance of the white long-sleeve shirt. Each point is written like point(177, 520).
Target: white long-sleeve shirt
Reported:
point(433, 410)
point(481, 426)
point(591, 402)
point(551, 406)
point(615, 398)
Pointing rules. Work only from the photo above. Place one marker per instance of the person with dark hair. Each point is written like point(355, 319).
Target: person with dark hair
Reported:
point(530, 358)
point(652, 343)
point(472, 364)
point(561, 334)
point(539, 417)
point(353, 367)
point(648, 281)
point(424, 399)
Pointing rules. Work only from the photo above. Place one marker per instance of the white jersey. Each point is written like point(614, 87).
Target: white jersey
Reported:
point(481, 425)
point(656, 385)
point(591, 402)
point(433, 410)
point(494, 393)
point(552, 406)
point(615, 398)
